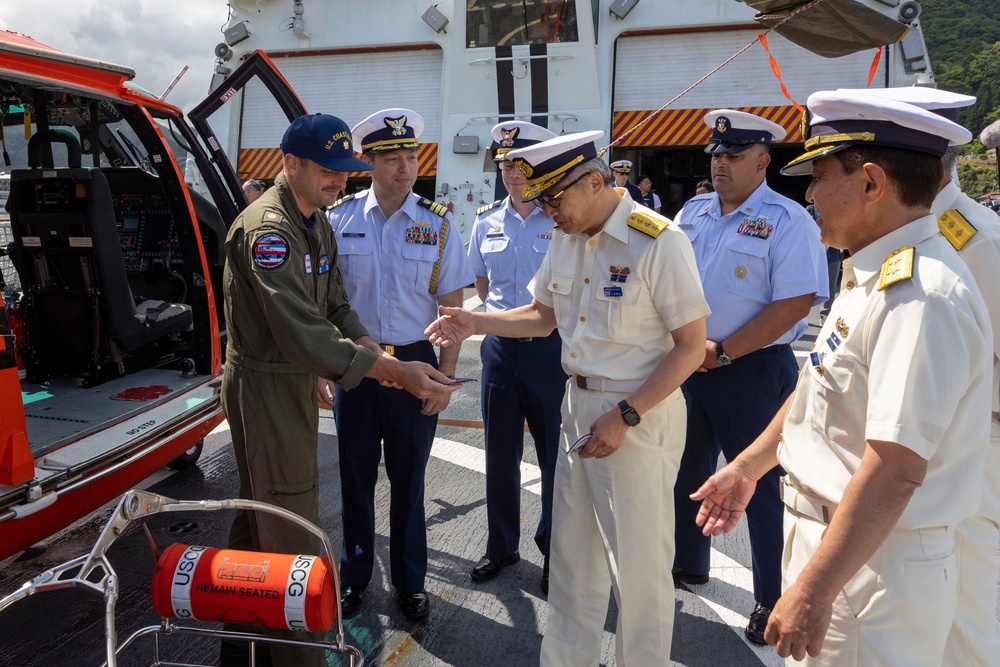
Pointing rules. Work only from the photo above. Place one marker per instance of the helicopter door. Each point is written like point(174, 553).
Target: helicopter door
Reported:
point(256, 80)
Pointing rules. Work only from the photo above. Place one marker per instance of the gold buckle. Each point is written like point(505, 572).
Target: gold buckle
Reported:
point(391, 349)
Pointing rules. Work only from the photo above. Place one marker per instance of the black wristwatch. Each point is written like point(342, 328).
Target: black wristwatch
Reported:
point(629, 414)
point(721, 356)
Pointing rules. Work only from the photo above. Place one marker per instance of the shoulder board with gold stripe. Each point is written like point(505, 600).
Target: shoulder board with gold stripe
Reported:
point(343, 200)
point(434, 207)
point(897, 267)
point(647, 224)
point(483, 209)
point(956, 228)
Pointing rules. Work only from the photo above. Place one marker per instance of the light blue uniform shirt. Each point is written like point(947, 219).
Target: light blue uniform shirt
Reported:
point(386, 265)
point(508, 251)
point(766, 250)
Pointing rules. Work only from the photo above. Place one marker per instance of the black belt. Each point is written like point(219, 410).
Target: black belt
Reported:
point(528, 339)
point(766, 350)
point(396, 350)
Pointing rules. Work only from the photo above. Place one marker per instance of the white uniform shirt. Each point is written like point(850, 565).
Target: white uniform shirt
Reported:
point(509, 251)
point(618, 294)
point(386, 265)
point(982, 256)
point(766, 250)
point(909, 364)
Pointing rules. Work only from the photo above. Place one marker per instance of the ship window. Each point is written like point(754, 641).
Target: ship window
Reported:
point(507, 22)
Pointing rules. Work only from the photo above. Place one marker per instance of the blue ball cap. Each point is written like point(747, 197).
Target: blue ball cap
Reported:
point(324, 139)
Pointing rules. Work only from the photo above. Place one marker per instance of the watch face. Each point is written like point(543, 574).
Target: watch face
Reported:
point(724, 360)
point(629, 414)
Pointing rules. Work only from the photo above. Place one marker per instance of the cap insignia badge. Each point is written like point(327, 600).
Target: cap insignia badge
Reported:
point(508, 136)
point(397, 125)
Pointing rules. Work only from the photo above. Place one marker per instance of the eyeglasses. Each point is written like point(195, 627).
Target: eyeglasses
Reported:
point(552, 201)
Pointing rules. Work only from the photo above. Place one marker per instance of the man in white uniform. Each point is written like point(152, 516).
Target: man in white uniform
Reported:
point(621, 285)
point(974, 231)
point(886, 435)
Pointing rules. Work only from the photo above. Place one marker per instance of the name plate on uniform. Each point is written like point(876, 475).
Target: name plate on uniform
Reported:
point(613, 291)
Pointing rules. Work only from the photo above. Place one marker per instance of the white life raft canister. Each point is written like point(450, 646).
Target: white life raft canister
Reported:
point(244, 587)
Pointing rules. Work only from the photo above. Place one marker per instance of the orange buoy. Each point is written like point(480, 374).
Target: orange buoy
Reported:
point(244, 587)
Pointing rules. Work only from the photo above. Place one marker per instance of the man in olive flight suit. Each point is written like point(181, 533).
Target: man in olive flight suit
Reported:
point(289, 321)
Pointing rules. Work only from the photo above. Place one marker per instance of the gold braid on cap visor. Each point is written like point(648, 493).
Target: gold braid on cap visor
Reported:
point(827, 139)
point(391, 145)
point(534, 188)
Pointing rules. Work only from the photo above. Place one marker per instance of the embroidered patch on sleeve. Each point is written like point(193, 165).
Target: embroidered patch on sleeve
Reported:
point(270, 251)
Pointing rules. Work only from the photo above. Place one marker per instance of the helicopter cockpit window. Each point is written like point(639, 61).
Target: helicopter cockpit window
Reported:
point(491, 23)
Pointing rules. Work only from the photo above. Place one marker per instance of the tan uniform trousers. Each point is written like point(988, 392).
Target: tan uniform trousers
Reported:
point(613, 526)
point(975, 633)
point(896, 611)
point(274, 424)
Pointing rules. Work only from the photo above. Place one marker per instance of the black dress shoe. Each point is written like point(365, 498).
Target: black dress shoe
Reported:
point(414, 605)
point(545, 577)
point(350, 599)
point(487, 568)
point(685, 577)
point(758, 623)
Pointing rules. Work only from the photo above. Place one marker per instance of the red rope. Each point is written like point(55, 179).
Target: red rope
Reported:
point(871, 72)
point(784, 19)
point(777, 72)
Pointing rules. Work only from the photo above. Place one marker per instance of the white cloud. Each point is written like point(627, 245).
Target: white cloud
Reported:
point(156, 39)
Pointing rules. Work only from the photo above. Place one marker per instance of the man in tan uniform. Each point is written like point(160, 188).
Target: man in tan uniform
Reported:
point(288, 322)
point(621, 285)
point(885, 438)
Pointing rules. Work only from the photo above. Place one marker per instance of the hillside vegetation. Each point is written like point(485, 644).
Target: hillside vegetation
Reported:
point(963, 40)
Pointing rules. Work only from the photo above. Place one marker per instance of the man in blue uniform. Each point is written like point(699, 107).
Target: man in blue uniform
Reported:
point(763, 267)
point(400, 258)
point(522, 377)
point(621, 169)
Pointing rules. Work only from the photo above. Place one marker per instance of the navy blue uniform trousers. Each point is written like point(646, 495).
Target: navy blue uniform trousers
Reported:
point(522, 381)
point(371, 418)
point(728, 408)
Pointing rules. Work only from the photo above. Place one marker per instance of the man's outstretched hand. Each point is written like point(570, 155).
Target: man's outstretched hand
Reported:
point(724, 497)
point(454, 326)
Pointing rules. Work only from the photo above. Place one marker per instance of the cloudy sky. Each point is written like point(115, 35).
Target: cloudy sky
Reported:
point(155, 38)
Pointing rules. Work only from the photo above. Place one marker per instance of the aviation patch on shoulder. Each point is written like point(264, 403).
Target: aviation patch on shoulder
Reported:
point(897, 267)
point(270, 251)
point(647, 224)
point(487, 207)
point(956, 228)
point(434, 207)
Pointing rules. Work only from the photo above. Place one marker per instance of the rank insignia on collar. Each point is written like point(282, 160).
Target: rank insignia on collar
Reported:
point(842, 328)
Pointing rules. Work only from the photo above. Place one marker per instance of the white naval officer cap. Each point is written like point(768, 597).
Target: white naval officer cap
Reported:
point(547, 163)
point(516, 134)
point(735, 131)
point(389, 130)
point(839, 119)
point(622, 166)
point(942, 102)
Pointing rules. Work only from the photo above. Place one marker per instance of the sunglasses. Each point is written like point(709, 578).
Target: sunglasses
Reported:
point(552, 201)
